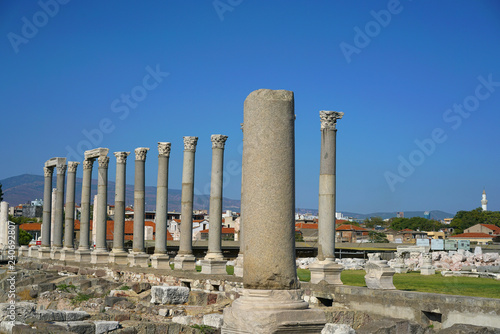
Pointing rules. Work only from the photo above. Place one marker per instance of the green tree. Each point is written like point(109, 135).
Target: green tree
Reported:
point(24, 237)
point(377, 237)
point(1, 193)
point(465, 219)
point(374, 221)
point(416, 223)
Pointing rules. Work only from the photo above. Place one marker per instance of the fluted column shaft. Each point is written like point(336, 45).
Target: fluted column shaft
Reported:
point(326, 208)
point(139, 199)
point(69, 222)
point(186, 247)
point(59, 211)
point(162, 198)
point(85, 205)
point(102, 202)
point(215, 230)
point(120, 188)
point(47, 206)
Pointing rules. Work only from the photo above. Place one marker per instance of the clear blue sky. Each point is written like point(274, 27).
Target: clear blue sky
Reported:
point(396, 69)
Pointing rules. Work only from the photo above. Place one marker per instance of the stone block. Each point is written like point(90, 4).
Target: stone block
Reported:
point(378, 273)
point(79, 327)
point(42, 287)
point(110, 301)
point(118, 258)
point(183, 320)
point(76, 315)
point(140, 287)
point(8, 326)
point(140, 260)
point(21, 311)
point(187, 262)
point(50, 315)
point(105, 326)
point(213, 267)
point(337, 329)
point(160, 261)
point(214, 320)
point(169, 294)
point(327, 271)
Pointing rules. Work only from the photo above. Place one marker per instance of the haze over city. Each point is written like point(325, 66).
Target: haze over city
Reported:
point(418, 81)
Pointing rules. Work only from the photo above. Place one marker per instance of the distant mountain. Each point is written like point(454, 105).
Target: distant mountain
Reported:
point(24, 188)
point(435, 214)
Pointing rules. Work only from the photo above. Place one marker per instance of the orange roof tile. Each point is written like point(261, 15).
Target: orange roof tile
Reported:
point(225, 230)
point(305, 226)
point(347, 227)
point(492, 227)
point(472, 235)
point(31, 226)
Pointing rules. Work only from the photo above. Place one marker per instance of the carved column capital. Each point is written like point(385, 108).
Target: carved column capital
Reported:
point(329, 119)
point(140, 153)
point(218, 141)
point(164, 149)
point(88, 163)
point(121, 157)
point(61, 169)
point(103, 161)
point(190, 143)
point(72, 165)
point(48, 171)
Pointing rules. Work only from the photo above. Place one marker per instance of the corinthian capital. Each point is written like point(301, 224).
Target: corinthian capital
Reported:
point(121, 157)
point(47, 171)
point(218, 141)
point(103, 161)
point(140, 153)
point(61, 169)
point(164, 149)
point(72, 165)
point(329, 119)
point(190, 143)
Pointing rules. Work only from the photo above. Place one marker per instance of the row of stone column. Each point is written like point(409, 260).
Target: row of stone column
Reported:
point(138, 257)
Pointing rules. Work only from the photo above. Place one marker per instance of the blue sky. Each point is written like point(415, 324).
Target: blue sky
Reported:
point(418, 81)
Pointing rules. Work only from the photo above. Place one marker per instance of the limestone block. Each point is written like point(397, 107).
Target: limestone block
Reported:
point(169, 294)
point(50, 315)
point(214, 320)
point(7, 326)
point(105, 326)
point(79, 327)
point(183, 319)
point(337, 329)
point(22, 310)
point(76, 315)
point(378, 273)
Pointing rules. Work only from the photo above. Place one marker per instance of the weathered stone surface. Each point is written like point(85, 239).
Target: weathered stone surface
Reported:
point(21, 310)
point(469, 329)
point(42, 287)
point(169, 294)
point(110, 301)
point(214, 320)
point(79, 327)
point(378, 273)
point(337, 329)
point(183, 319)
point(106, 326)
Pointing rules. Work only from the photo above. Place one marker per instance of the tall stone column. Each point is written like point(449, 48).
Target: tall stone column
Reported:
point(83, 252)
point(118, 255)
point(47, 212)
point(214, 261)
point(185, 259)
point(160, 258)
point(4, 223)
point(138, 257)
point(238, 266)
point(68, 252)
point(100, 254)
point(325, 268)
point(55, 253)
point(271, 299)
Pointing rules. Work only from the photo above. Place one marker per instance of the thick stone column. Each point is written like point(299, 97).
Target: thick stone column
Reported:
point(68, 252)
point(238, 266)
point(47, 212)
point(55, 252)
point(185, 259)
point(160, 258)
point(118, 255)
point(271, 300)
point(138, 257)
point(4, 223)
point(83, 252)
point(100, 254)
point(214, 261)
point(325, 268)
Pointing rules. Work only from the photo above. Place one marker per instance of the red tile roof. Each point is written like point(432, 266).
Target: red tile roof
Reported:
point(492, 227)
point(313, 226)
point(31, 226)
point(348, 227)
point(472, 235)
point(225, 230)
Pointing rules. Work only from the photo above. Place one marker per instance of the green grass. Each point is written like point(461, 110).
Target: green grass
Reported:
point(124, 288)
point(413, 281)
point(229, 269)
point(80, 297)
point(66, 287)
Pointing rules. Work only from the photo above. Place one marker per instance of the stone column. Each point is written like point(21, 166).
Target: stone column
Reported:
point(160, 259)
point(68, 252)
point(325, 268)
point(238, 266)
point(83, 252)
point(100, 254)
point(4, 223)
point(55, 253)
point(47, 212)
point(138, 257)
point(214, 261)
point(53, 217)
point(271, 300)
point(185, 259)
point(118, 255)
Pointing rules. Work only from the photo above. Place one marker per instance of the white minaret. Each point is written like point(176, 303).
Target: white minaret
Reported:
point(484, 201)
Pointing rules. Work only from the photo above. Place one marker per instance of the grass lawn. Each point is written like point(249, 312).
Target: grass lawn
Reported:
point(413, 281)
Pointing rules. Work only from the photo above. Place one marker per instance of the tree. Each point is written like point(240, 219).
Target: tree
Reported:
point(465, 219)
point(1, 193)
point(377, 237)
point(416, 223)
point(24, 237)
point(372, 222)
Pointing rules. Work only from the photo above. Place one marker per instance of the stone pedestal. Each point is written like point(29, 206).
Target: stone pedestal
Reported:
point(99, 257)
point(67, 255)
point(238, 265)
point(55, 253)
point(427, 268)
point(327, 270)
point(119, 258)
point(378, 273)
point(272, 311)
point(400, 267)
point(213, 267)
point(140, 259)
point(33, 251)
point(23, 251)
point(44, 253)
point(83, 255)
point(160, 261)
point(185, 262)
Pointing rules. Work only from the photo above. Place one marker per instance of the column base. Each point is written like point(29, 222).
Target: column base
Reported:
point(44, 253)
point(138, 260)
point(55, 253)
point(119, 258)
point(23, 251)
point(427, 271)
point(160, 261)
point(379, 275)
point(238, 266)
point(83, 255)
point(185, 262)
point(99, 257)
point(213, 267)
point(67, 254)
point(272, 311)
point(33, 251)
point(400, 269)
point(327, 270)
